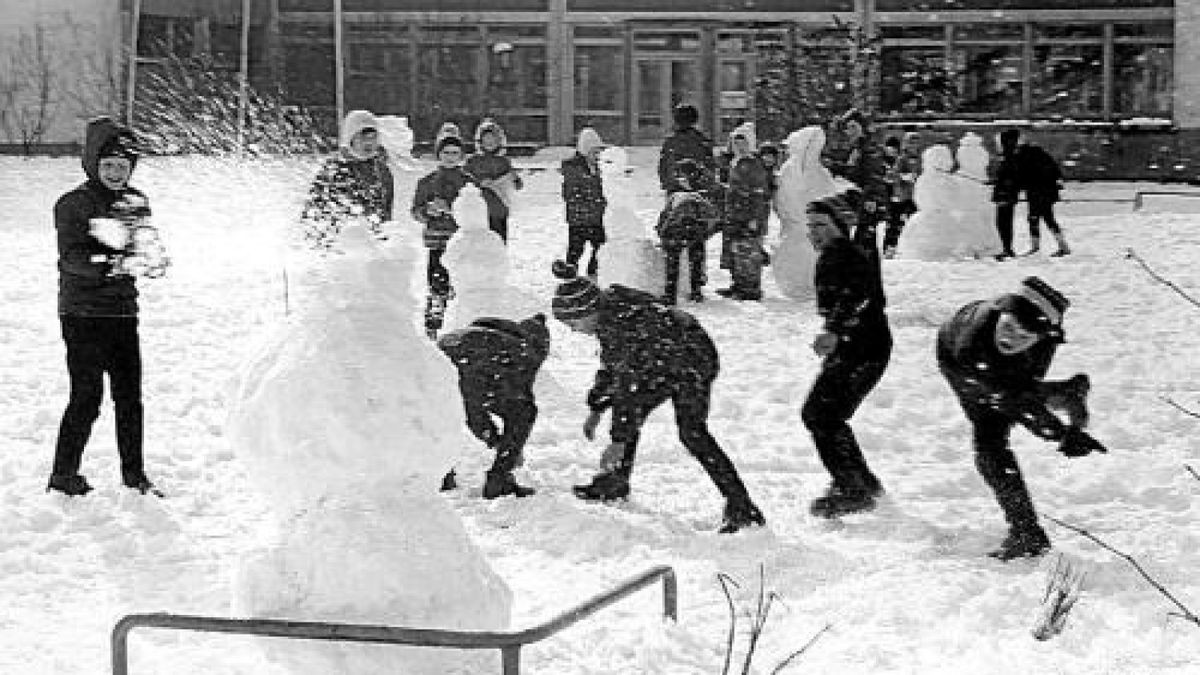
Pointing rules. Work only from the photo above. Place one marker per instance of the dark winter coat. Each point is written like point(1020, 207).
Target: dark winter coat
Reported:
point(688, 218)
point(1006, 180)
point(348, 187)
point(904, 164)
point(646, 348)
point(487, 166)
point(748, 198)
point(1039, 175)
point(686, 143)
point(442, 184)
point(850, 298)
point(498, 359)
point(985, 379)
point(86, 286)
point(583, 193)
point(862, 163)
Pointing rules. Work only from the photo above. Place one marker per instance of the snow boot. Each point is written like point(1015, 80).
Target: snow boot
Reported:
point(449, 481)
point(72, 486)
point(1063, 249)
point(1024, 542)
point(501, 483)
point(840, 501)
point(739, 515)
point(142, 485)
point(1034, 247)
point(605, 487)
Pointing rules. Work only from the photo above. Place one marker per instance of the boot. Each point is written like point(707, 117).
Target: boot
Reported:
point(605, 487)
point(1034, 246)
point(143, 485)
point(1004, 255)
point(449, 481)
point(500, 483)
point(739, 515)
point(1028, 541)
point(839, 501)
point(1063, 249)
point(72, 486)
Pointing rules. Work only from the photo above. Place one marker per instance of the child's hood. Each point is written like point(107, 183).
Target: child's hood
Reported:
point(356, 121)
point(489, 124)
point(102, 133)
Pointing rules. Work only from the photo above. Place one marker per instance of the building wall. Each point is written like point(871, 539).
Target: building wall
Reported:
point(81, 61)
point(1187, 64)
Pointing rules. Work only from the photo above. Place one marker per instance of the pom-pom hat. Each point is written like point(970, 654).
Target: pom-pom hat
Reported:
point(576, 297)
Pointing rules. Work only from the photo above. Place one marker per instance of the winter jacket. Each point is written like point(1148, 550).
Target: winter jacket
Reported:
point(1006, 181)
point(490, 165)
point(686, 143)
point(983, 378)
point(688, 217)
point(498, 359)
point(348, 187)
point(646, 348)
point(583, 193)
point(433, 200)
point(901, 175)
point(748, 198)
point(1039, 175)
point(86, 285)
point(862, 164)
point(850, 297)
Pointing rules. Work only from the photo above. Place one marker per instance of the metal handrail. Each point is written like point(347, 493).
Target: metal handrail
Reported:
point(1138, 200)
point(508, 642)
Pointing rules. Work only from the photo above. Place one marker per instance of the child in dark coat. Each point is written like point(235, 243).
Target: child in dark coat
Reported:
point(498, 361)
point(355, 184)
point(856, 345)
point(649, 353)
point(431, 206)
point(685, 142)
point(97, 309)
point(494, 173)
point(685, 224)
point(995, 354)
point(747, 207)
point(583, 196)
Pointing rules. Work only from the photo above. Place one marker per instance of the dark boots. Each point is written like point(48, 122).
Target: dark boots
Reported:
point(740, 514)
point(72, 486)
point(605, 487)
point(1028, 541)
point(501, 483)
point(843, 500)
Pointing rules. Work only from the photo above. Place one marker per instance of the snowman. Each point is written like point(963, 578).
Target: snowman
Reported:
point(631, 256)
point(802, 180)
point(934, 232)
point(978, 233)
point(478, 262)
point(397, 138)
point(346, 418)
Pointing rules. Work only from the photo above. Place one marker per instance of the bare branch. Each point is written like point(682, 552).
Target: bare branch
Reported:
point(725, 580)
point(1063, 587)
point(1192, 471)
point(1131, 254)
point(1171, 402)
point(782, 664)
point(1186, 613)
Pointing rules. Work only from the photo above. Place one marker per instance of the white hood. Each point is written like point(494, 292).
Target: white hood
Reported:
point(356, 121)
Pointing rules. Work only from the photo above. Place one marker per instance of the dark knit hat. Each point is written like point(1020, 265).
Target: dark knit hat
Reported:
point(1044, 305)
point(842, 209)
point(122, 144)
point(576, 297)
point(445, 141)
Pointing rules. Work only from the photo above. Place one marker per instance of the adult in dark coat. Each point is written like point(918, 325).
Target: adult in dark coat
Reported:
point(649, 353)
point(97, 307)
point(995, 354)
point(1006, 190)
point(685, 142)
point(856, 345)
point(498, 361)
point(1042, 179)
point(356, 183)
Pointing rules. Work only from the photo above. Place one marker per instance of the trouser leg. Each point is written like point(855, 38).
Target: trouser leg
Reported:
point(1004, 225)
point(125, 375)
point(518, 417)
point(835, 396)
point(691, 416)
point(998, 466)
point(85, 345)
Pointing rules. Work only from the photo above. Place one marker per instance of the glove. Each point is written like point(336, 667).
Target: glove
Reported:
point(590, 424)
point(1078, 443)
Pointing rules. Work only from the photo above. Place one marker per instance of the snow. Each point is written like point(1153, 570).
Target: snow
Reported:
point(906, 588)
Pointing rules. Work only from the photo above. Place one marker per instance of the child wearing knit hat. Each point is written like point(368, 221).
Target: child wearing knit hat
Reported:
point(431, 206)
point(994, 354)
point(685, 224)
point(649, 353)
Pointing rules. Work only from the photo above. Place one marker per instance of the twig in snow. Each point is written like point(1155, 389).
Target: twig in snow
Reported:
point(759, 620)
point(1130, 253)
point(1171, 402)
point(725, 580)
point(1063, 586)
point(1186, 613)
point(1192, 471)
point(782, 664)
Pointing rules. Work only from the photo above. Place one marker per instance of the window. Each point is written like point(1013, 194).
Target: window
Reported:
point(989, 78)
point(1068, 80)
point(1142, 79)
point(915, 81)
point(598, 78)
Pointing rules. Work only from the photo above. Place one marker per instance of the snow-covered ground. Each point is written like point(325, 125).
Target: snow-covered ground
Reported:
point(907, 588)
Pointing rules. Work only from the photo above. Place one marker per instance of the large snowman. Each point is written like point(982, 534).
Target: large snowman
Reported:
point(802, 179)
point(478, 262)
point(347, 419)
point(631, 256)
point(397, 139)
point(979, 237)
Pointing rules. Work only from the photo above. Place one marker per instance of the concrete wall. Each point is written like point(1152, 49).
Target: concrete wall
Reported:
point(82, 40)
point(1187, 64)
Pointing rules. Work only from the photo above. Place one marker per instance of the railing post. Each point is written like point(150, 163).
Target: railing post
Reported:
point(120, 648)
point(510, 656)
point(670, 596)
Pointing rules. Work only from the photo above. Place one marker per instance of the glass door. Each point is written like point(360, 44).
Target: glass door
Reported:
point(659, 85)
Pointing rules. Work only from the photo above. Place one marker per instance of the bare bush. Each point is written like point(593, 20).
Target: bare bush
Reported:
point(27, 104)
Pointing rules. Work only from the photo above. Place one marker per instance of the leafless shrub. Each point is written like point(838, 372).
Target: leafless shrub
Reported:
point(1063, 586)
point(758, 621)
point(27, 104)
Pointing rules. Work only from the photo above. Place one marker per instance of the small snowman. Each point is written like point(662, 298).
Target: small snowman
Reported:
point(934, 232)
point(631, 256)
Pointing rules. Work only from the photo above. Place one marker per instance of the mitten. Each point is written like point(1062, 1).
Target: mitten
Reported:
point(1078, 443)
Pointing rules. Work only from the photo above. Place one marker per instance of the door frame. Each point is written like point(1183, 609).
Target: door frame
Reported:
point(664, 61)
